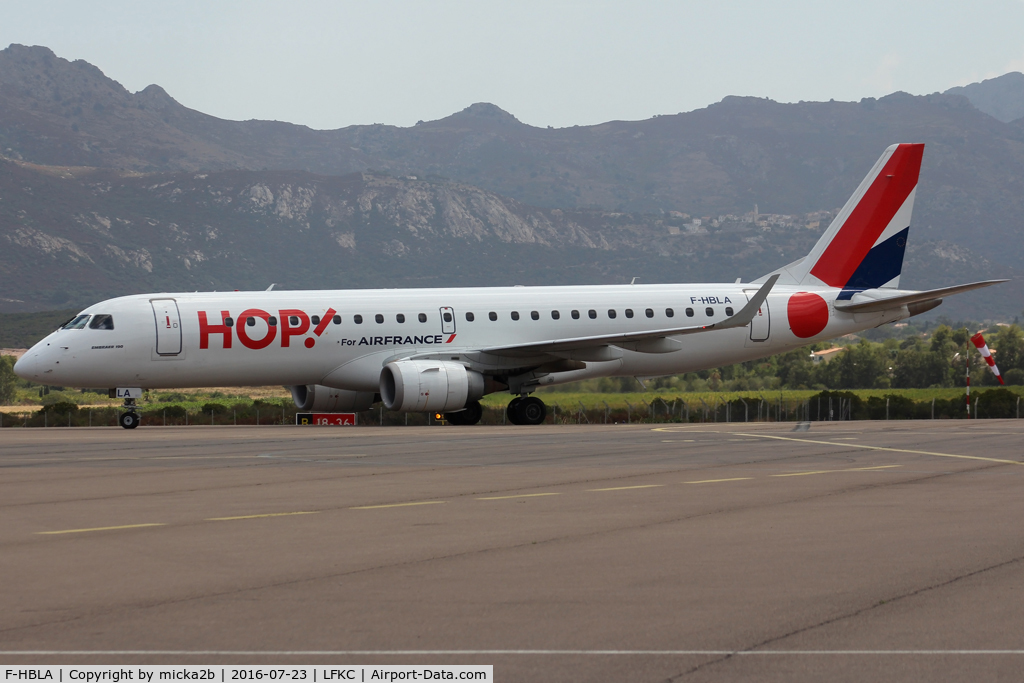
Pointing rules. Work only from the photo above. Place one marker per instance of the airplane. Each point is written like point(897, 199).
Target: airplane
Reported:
point(442, 350)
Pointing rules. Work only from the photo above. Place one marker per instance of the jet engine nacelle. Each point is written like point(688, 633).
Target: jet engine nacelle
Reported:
point(321, 399)
point(429, 386)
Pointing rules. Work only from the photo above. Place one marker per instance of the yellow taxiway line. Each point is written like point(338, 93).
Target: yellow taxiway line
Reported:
point(98, 528)
point(399, 505)
point(623, 488)
point(524, 495)
point(270, 514)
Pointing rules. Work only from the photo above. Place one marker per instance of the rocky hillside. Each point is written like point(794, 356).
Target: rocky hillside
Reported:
point(1001, 98)
point(70, 236)
point(104, 192)
point(786, 158)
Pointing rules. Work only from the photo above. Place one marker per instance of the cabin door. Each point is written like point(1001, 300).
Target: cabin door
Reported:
point(168, 326)
point(760, 326)
point(447, 320)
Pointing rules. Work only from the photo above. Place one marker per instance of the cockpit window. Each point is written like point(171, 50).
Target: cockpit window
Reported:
point(102, 321)
point(77, 323)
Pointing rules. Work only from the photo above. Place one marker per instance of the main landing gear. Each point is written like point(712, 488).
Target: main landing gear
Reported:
point(129, 419)
point(526, 410)
point(469, 416)
point(523, 410)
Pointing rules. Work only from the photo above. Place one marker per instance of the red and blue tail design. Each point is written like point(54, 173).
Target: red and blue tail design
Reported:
point(863, 247)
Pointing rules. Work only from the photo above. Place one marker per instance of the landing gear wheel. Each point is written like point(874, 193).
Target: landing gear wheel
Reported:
point(470, 416)
point(531, 411)
point(512, 412)
point(129, 420)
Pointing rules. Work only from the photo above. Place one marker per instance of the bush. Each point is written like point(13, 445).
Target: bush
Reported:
point(172, 412)
point(996, 403)
point(819, 406)
point(215, 408)
point(60, 408)
point(8, 380)
point(899, 407)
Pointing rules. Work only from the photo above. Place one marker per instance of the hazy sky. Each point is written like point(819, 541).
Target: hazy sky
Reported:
point(329, 64)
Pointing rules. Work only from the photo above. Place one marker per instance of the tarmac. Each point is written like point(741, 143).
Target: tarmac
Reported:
point(716, 552)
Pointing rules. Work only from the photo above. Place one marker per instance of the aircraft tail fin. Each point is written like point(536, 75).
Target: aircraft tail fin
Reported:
point(863, 247)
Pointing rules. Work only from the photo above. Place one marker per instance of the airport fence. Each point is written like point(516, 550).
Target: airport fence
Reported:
point(824, 406)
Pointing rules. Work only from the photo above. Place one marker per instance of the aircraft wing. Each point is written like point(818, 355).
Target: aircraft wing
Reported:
point(741, 319)
point(868, 303)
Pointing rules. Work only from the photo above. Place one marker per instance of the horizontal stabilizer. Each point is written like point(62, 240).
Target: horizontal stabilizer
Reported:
point(865, 303)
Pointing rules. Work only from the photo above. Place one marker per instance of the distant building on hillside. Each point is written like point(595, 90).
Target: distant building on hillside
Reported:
point(826, 355)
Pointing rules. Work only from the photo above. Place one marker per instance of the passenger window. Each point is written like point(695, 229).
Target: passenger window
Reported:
point(379, 318)
point(709, 311)
point(728, 310)
point(689, 312)
point(492, 315)
point(77, 323)
point(250, 321)
point(400, 317)
point(515, 315)
point(315, 319)
point(611, 313)
point(669, 312)
point(649, 312)
point(229, 322)
point(447, 317)
point(272, 321)
point(592, 313)
point(422, 317)
point(555, 315)
point(629, 312)
point(102, 322)
point(575, 314)
point(293, 320)
point(470, 317)
point(337, 320)
point(357, 319)
point(535, 315)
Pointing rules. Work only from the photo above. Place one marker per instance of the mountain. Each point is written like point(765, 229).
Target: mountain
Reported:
point(1001, 98)
point(494, 201)
point(74, 235)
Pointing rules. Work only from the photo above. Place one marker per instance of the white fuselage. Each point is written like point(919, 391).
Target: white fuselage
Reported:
point(160, 341)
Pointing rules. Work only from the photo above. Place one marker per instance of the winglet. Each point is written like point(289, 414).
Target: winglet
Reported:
point(747, 313)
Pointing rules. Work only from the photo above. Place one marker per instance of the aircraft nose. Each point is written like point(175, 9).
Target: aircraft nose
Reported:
point(29, 366)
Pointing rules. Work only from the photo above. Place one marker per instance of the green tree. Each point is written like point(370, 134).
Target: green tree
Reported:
point(863, 366)
point(1008, 342)
point(8, 380)
point(918, 367)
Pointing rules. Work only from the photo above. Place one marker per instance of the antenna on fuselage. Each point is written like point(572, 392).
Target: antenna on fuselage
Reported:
point(633, 281)
point(272, 284)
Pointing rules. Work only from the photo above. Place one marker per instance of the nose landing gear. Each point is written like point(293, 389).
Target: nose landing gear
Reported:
point(129, 419)
point(526, 410)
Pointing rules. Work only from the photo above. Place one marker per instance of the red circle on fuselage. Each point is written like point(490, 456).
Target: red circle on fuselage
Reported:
point(243, 335)
point(808, 314)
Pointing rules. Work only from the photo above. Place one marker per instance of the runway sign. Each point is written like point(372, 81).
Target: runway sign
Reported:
point(326, 419)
